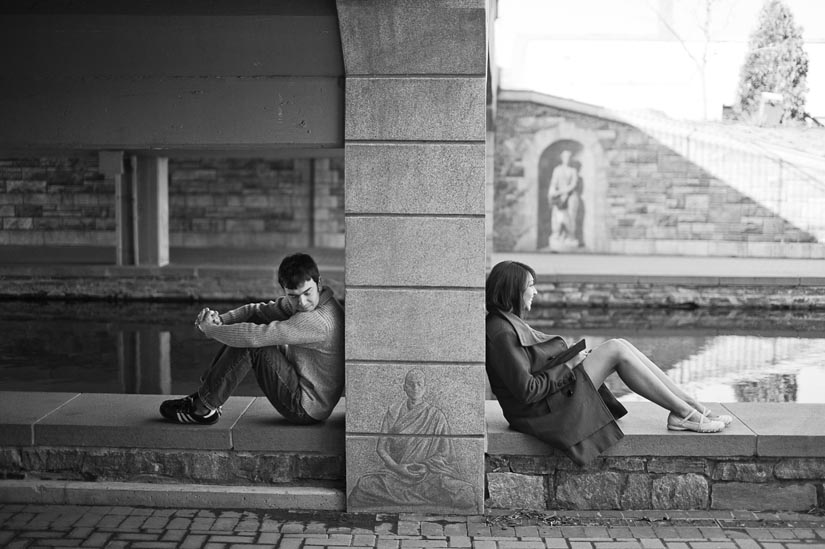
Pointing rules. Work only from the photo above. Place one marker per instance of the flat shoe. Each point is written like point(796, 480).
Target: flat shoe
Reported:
point(700, 425)
point(724, 418)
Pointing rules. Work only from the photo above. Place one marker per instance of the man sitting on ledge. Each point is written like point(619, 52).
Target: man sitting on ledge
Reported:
point(294, 344)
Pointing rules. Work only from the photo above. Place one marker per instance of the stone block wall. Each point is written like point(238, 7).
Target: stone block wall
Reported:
point(640, 197)
point(644, 482)
point(55, 201)
point(224, 467)
point(235, 202)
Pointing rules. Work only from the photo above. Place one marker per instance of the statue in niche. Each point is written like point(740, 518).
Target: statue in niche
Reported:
point(564, 200)
point(419, 463)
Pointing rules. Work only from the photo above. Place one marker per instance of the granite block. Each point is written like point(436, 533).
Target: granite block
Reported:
point(20, 410)
point(429, 109)
point(133, 421)
point(444, 178)
point(763, 497)
point(515, 491)
point(413, 37)
point(784, 428)
point(415, 251)
point(262, 428)
point(415, 325)
point(437, 474)
point(454, 391)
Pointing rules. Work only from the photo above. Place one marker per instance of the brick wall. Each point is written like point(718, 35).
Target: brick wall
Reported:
point(649, 198)
point(234, 202)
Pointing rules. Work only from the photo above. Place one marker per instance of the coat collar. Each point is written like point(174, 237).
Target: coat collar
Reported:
point(527, 336)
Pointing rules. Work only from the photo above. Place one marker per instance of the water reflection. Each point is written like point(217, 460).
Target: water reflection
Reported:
point(149, 347)
point(718, 356)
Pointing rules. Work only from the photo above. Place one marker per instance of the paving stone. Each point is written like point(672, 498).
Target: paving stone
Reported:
point(483, 544)
point(431, 529)
point(617, 545)
point(747, 543)
point(642, 532)
point(804, 533)
point(555, 543)
point(290, 543)
point(550, 532)
point(460, 541)
point(455, 529)
point(173, 535)
point(423, 543)
point(363, 540)
point(477, 529)
point(651, 543)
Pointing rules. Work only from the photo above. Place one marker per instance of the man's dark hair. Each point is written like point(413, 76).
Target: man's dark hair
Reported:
point(296, 269)
point(505, 285)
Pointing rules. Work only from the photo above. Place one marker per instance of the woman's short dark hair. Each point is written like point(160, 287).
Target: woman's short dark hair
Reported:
point(296, 269)
point(505, 285)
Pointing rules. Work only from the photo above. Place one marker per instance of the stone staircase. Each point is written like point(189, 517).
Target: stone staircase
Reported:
point(787, 180)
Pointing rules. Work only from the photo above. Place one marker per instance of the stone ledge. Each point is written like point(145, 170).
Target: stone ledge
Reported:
point(758, 429)
point(133, 421)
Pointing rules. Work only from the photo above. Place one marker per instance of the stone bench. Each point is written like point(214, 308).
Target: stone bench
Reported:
point(71, 448)
point(772, 457)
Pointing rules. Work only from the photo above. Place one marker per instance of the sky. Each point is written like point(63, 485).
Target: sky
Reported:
point(625, 54)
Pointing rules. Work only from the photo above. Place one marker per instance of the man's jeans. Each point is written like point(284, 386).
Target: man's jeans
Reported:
point(276, 377)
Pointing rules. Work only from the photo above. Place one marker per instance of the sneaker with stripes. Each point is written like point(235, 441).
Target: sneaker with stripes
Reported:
point(182, 410)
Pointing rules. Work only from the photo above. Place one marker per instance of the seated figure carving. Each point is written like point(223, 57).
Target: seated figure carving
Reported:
point(419, 469)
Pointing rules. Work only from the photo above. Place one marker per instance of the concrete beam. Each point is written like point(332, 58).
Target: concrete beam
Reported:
point(163, 113)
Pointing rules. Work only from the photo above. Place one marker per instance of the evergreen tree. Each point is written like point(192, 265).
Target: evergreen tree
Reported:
point(776, 62)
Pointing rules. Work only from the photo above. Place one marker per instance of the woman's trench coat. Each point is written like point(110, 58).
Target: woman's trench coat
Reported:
point(558, 405)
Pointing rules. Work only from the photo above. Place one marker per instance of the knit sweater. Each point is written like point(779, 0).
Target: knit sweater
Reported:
point(313, 341)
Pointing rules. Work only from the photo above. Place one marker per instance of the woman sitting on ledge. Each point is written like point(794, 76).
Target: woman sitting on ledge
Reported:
point(543, 395)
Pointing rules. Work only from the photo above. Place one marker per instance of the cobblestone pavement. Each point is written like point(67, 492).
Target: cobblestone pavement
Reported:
point(36, 526)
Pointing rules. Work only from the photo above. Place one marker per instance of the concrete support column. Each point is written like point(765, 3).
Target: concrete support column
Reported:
point(415, 254)
point(151, 209)
point(141, 207)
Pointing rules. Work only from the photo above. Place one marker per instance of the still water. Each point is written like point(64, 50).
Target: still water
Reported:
point(153, 348)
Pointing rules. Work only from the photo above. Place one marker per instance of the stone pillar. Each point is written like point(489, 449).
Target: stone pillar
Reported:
point(415, 254)
point(141, 207)
point(110, 164)
point(151, 195)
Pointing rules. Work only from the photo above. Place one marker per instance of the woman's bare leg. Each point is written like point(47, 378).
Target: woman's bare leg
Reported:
point(675, 389)
point(614, 356)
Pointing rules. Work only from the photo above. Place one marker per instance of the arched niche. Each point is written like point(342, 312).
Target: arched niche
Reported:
point(539, 160)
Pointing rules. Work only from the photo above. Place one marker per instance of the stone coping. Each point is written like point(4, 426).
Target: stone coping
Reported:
point(133, 421)
point(758, 429)
point(251, 424)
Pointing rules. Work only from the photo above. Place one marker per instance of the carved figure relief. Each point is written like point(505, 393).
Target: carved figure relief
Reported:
point(561, 208)
point(418, 460)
